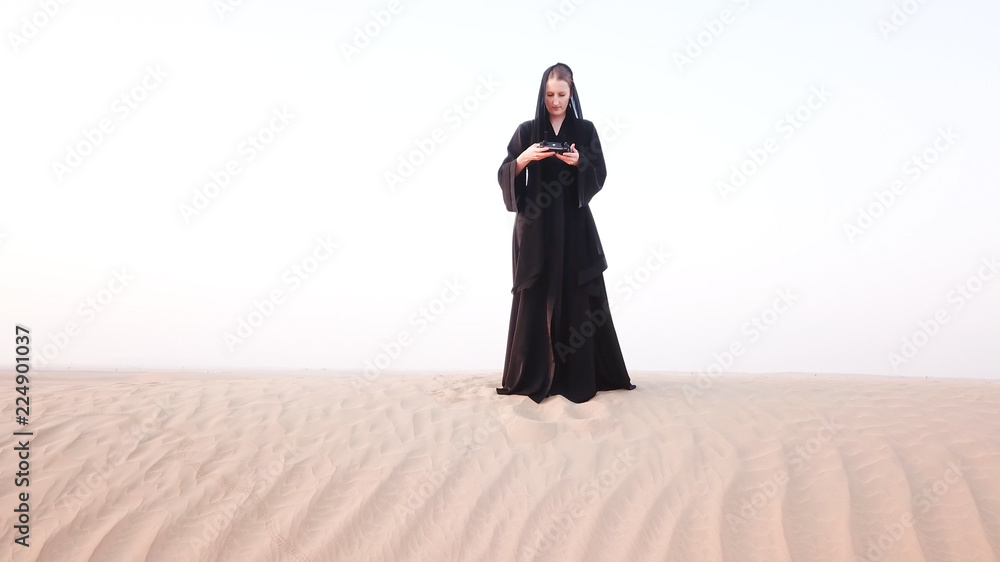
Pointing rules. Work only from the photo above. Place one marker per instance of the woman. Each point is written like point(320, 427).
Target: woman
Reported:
point(561, 338)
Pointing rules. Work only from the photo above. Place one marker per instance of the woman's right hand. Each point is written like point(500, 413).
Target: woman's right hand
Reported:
point(532, 153)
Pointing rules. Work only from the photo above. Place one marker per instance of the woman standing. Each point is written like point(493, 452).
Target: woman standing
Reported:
point(561, 339)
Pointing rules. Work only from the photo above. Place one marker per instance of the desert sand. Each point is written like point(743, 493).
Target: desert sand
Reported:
point(437, 467)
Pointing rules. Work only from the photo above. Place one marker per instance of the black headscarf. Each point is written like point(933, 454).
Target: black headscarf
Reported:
point(542, 127)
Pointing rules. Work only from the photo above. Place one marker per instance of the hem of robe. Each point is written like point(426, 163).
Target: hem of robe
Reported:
point(550, 386)
point(576, 400)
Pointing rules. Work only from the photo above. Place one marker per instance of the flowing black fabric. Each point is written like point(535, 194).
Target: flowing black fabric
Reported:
point(561, 338)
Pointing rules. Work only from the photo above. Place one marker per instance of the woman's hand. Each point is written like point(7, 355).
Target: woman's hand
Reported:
point(571, 157)
point(530, 154)
point(534, 152)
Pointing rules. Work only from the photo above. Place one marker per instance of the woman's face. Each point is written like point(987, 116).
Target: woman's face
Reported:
point(557, 96)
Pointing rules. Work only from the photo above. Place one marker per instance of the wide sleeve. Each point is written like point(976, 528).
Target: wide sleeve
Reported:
point(592, 170)
point(512, 184)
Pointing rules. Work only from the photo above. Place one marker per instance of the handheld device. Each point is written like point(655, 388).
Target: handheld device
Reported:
point(553, 146)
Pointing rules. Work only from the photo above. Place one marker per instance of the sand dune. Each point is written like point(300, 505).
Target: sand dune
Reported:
point(439, 467)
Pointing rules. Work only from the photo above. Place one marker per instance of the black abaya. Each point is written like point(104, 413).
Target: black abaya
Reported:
point(561, 338)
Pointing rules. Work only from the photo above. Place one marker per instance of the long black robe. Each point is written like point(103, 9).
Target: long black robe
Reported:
point(561, 338)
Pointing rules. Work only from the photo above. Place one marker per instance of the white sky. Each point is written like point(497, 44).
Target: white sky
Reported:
point(671, 134)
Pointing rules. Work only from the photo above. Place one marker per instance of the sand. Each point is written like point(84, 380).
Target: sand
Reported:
point(317, 467)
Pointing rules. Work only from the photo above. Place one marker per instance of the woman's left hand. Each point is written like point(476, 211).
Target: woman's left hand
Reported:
point(571, 157)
